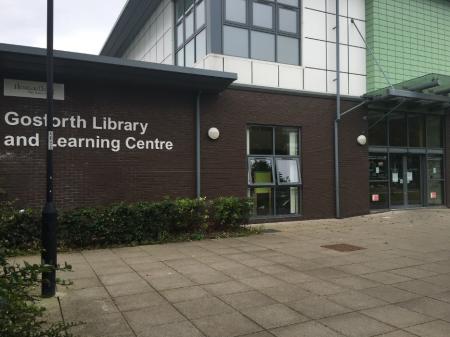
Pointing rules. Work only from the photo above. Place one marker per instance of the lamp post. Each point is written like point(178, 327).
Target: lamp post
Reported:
point(49, 213)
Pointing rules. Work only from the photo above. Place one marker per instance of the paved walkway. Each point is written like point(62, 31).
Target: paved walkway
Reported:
point(280, 284)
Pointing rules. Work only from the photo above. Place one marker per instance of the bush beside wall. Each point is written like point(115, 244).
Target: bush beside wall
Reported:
point(136, 223)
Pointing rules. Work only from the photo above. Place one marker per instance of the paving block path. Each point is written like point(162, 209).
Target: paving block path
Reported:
point(282, 283)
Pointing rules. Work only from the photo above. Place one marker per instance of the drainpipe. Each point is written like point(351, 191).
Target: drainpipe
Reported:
point(197, 146)
point(338, 117)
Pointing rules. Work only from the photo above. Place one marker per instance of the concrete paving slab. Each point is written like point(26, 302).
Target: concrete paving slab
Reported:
point(356, 325)
point(317, 307)
point(431, 329)
point(307, 329)
point(226, 325)
point(274, 315)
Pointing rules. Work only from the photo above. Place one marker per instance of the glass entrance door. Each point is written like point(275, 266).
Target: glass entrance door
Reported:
point(406, 180)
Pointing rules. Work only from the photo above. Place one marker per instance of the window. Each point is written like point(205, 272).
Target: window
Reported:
point(378, 181)
point(274, 180)
point(435, 174)
point(266, 30)
point(235, 41)
point(434, 131)
point(190, 44)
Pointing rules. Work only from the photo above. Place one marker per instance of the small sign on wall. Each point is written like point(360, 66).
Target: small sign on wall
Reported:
point(375, 197)
point(31, 89)
point(433, 195)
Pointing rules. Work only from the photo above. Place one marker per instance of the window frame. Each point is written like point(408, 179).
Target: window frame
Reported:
point(197, 31)
point(275, 185)
point(275, 30)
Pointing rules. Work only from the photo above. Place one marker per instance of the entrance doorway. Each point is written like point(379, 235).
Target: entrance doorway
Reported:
point(406, 180)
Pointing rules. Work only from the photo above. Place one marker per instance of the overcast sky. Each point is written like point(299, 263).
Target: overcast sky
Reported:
point(80, 25)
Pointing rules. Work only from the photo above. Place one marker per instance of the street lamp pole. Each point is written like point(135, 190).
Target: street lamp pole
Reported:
point(49, 213)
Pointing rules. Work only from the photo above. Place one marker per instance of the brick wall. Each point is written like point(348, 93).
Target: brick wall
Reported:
point(86, 177)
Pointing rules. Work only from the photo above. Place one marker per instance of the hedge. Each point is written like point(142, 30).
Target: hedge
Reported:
point(119, 224)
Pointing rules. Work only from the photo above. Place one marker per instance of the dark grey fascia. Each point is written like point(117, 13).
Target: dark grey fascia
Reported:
point(30, 62)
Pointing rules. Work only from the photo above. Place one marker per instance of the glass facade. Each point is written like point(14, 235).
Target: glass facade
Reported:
point(274, 180)
point(267, 30)
point(190, 31)
point(406, 162)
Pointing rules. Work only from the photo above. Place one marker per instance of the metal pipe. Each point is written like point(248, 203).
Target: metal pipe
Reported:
point(338, 117)
point(49, 213)
point(197, 147)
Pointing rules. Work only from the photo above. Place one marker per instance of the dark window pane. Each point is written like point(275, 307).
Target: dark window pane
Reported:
point(200, 45)
point(413, 180)
point(397, 129)
point(179, 9)
point(288, 50)
point(262, 198)
point(416, 126)
point(377, 132)
point(289, 2)
point(287, 20)
point(287, 171)
point(396, 179)
point(189, 23)
point(378, 195)
point(236, 10)
point(434, 131)
point(260, 140)
point(190, 54)
point(180, 58)
point(286, 142)
point(435, 165)
point(235, 41)
point(262, 46)
point(260, 171)
point(287, 200)
point(180, 35)
point(378, 167)
point(188, 4)
point(262, 15)
point(200, 19)
point(435, 192)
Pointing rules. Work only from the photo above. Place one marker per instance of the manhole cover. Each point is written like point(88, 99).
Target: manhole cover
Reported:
point(343, 247)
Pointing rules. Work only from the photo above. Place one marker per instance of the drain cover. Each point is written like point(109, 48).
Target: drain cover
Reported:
point(343, 247)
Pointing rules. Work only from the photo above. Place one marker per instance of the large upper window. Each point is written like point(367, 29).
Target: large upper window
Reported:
point(190, 31)
point(266, 30)
point(405, 130)
point(274, 180)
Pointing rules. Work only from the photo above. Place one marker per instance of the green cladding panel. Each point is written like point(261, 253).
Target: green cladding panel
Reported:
point(410, 38)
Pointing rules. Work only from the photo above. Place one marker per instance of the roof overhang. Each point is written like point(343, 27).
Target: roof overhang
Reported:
point(30, 63)
point(133, 17)
point(429, 93)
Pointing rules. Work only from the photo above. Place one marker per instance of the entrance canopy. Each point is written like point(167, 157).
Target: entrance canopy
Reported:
point(429, 93)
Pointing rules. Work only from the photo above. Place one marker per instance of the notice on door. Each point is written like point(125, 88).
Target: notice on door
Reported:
point(395, 177)
point(409, 176)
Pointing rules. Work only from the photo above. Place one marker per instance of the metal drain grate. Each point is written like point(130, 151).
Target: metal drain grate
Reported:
point(343, 247)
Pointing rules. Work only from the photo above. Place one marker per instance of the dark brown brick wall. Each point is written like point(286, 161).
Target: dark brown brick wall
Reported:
point(98, 176)
point(224, 161)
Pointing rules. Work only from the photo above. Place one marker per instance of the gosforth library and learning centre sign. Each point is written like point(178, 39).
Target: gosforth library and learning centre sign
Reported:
point(95, 123)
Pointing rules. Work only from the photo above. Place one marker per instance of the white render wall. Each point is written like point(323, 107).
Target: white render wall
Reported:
point(154, 43)
point(318, 70)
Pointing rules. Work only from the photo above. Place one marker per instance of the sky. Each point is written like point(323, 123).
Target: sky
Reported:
point(79, 25)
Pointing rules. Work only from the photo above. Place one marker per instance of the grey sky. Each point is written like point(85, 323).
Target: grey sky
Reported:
point(80, 25)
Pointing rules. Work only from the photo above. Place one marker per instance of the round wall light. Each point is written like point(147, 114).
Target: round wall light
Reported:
point(362, 140)
point(213, 133)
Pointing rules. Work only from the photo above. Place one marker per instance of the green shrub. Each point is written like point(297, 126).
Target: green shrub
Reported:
point(143, 222)
point(230, 212)
point(19, 228)
point(20, 314)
